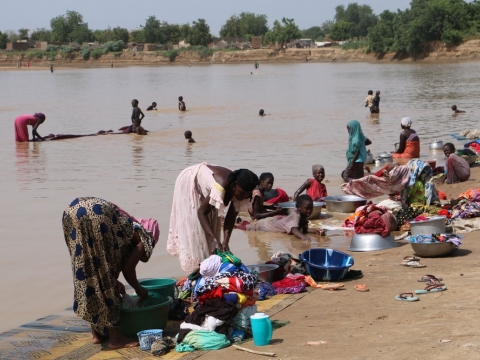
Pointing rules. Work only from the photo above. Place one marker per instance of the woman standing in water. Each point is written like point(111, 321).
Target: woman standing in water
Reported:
point(21, 126)
point(409, 146)
point(200, 200)
point(103, 240)
point(356, 152)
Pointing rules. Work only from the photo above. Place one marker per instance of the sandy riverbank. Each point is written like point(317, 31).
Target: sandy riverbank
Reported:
point(467, 51)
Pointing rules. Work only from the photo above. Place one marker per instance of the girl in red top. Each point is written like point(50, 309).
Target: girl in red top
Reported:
point(315, 189)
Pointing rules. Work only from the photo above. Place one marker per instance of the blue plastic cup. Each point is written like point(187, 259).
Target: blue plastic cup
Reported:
point(261, 328)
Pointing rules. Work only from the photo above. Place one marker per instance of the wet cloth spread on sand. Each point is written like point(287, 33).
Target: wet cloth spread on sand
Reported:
point(99, 238)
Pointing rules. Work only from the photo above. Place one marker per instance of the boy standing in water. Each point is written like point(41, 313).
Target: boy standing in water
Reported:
point(137, 114)
point(369, 100)
point(188, 136)
point(181, 104)
point(376, 102)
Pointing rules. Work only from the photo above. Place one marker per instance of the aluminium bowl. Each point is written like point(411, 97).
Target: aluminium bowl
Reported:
point(371, 242)
point(344, 203)
point(436, 145)
point(435, 225)
point(434, 249)
point(317, 208)
point(266, 272)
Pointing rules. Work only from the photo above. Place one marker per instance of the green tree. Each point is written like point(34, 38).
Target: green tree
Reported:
point(119, 33)
point(342, 30)
point(361, 16)
point(254, 25)
point(313, 33)
point(199, 34)
point(23, 33)
point(70, 27)
point(381, 36)
point(136, 35)
point(152, 32)
point(3, 40)
point(41, 34)
point(232, 27)
point(283, 32)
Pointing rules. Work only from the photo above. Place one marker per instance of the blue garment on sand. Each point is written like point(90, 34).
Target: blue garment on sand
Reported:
point(202, 340)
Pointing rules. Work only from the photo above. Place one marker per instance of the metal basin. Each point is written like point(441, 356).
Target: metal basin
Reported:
point(344, 203)
point(386, 157)
point(317, 208)
point(436, 145)
point(371, 242)
point(435, 225)
point(434, 249)
point(266, 272)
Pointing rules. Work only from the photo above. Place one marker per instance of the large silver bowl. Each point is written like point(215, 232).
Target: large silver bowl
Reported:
point(317, 208)
point(435, 225)
point(371, 242)
point(266, 272)
point(344, 203)
point(434, 249)
point(436, 145)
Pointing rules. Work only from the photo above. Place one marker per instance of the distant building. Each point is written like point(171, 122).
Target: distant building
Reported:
point(256, 42)
point(21, 45)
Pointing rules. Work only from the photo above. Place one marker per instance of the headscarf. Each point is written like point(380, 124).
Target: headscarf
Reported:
point(421, 170)
point(406, 121)
point(40, 116)
point(356, 139)
point(151, 225)
point(244, 178)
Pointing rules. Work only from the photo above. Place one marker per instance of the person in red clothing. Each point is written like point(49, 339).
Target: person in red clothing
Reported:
point(315, 189)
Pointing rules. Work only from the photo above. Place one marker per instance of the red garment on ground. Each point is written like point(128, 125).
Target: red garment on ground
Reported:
point(216, 293)
point(370, 221)
point(442, 195)
point(317, 191)
point(445, 212)
point(282, 197)
point(379, 173)
point(475, 147)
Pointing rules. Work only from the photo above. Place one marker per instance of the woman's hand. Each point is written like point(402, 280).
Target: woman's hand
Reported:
point(120, 288)
point(320, 232)
point(142, 293)
point(225, 246)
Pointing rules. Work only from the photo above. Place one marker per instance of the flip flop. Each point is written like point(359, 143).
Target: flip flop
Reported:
point(414, 264)
point(410, 258)
point(431, 289)
point(331, 287)
point(434, 282)
point(426, 278)
point(406, 297)
point(362, 288)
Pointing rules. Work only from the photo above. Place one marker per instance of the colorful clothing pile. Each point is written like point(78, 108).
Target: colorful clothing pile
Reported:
point(466, 209)
point(292, 284)
point(436, 238)
point(420, 171)
point(374, 220)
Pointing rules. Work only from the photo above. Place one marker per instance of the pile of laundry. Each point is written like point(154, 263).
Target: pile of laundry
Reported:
point(471, 134)
point(436, 238)
point(372, 219)
point(225, 293)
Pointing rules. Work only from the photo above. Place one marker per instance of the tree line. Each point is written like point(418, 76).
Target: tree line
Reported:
point(409, 30)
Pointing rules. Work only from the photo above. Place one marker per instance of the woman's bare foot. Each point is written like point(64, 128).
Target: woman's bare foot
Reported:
point(97, 338)
point(120, 341)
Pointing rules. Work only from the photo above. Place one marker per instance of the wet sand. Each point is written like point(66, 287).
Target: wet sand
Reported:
point(309, 106)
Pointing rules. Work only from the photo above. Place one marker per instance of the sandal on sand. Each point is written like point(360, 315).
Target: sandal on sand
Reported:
point(362, 288)
point(406, 297)
point(331, 287)
point(410, 258)
point(414, 264)
point(426, 278)
point(431, 289)
point(434, 282)
point(309, 280)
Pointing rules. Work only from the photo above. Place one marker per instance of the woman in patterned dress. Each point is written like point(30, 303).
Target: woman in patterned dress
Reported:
point(103, 240)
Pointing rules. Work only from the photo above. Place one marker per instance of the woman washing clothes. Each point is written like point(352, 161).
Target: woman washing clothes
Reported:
point(104, 241)
point(258, 210)
point(457, 168)
point(21, 127)
point(200, 199)
point(409, 146)
point(356, 152)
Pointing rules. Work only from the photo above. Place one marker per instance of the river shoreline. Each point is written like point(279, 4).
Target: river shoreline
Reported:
point(468, 51)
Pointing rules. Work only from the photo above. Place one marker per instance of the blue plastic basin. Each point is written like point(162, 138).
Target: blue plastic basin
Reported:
point(327, 264)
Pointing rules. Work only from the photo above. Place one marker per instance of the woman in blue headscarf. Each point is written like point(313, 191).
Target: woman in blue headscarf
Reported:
point(356, 152)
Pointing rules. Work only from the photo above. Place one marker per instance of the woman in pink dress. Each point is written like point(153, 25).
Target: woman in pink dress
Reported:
point(21, 126)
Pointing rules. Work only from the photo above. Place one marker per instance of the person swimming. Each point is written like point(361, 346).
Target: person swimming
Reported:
point(262, 112)
point(315, 189)
point(181, 104)
point(457, 111)
point(152, 107)
point(188, 136)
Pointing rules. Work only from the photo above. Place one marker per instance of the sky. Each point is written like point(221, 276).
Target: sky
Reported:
point(100, 14)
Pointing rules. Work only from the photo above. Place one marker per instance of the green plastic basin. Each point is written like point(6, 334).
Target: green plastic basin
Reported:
point(153, 315)
point(160, 287)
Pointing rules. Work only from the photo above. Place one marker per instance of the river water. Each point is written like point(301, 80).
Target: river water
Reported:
point(309, 106)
